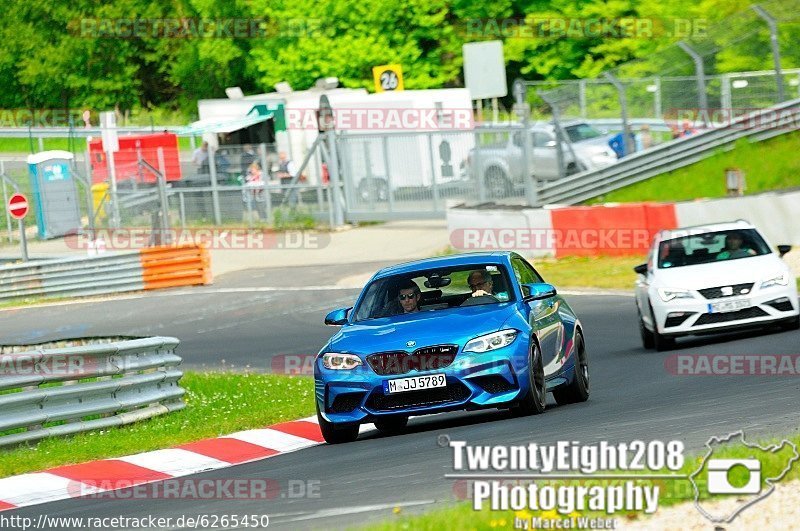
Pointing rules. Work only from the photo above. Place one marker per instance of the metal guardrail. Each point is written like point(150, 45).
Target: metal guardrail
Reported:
point(143, 269)
point(64, 132)
point(129, 381)
point(73, 277)
point(757, 126)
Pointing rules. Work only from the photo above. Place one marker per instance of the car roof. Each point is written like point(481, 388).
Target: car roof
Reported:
point(711, 227)
point(455, 260)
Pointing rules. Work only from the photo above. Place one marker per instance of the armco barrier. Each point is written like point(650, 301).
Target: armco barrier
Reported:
point(119, 382)
point(144, 269)
point(166, 267)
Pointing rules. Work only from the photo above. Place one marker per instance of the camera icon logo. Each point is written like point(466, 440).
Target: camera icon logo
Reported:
point(719, 476)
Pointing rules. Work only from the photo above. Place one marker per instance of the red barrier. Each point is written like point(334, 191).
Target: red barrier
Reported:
point(619, 230)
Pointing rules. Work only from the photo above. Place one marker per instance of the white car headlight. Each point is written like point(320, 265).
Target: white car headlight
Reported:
point(667, 294)
point(492, 341)
point(781, 279)
point(340, 362)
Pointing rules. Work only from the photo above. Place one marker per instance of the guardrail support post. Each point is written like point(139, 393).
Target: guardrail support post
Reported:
point(623, 111)
point(333, 170)
point(699, 71)
point(162, 194)
point(523, 112)
point(776, 50)
point(212, 167)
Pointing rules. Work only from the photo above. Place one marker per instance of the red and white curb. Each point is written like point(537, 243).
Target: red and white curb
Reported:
point(71, 481)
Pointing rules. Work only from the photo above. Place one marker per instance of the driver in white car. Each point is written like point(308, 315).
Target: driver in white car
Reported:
point(733, 247)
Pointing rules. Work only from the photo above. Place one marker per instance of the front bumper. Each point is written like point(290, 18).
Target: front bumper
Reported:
point(474, 381)
point(692, 316)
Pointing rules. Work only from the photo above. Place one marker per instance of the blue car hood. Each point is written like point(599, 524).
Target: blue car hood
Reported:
point(454, 326)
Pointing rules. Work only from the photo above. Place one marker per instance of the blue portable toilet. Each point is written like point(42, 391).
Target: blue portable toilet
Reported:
point(55, 193)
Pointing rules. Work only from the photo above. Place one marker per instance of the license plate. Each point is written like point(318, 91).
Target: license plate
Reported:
point(415, 383)
point(728, 306)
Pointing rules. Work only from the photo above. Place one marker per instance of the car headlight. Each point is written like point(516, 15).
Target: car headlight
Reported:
point(492, 341)
point(781, 279)
point(667, 294)
point(340, 362)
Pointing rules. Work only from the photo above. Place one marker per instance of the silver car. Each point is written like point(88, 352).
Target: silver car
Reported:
point(501, 166)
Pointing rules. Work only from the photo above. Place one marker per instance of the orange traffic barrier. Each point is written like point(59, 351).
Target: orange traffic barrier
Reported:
point(614, 230)
point(170, 266)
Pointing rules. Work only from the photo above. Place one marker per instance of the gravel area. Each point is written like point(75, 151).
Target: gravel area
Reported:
point(779, 511)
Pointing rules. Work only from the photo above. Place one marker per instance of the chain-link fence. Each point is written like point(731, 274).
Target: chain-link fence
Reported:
point(702, 75)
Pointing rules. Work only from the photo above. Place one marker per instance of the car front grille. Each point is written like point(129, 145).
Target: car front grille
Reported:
point(714, 318)
point(454, 392)
point(736, 289)
point(422, 359)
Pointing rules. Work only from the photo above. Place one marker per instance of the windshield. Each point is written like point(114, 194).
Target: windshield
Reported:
point(579, 132)
point(709, 247)
point(434, 290)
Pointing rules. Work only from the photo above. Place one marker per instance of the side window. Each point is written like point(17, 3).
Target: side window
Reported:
point(524, 272)
point(541, 139)
point(517, 139)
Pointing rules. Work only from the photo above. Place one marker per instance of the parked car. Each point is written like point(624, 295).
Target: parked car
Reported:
point(501, 166)
point(710, 279)
point(470, 331)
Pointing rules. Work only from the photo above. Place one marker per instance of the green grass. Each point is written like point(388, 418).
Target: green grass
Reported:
point(292, 218)
point(462, 516)
point(217, 404)
point(606, 272)
point(768, 165)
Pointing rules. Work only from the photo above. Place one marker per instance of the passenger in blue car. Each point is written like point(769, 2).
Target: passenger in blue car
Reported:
point(480, 283)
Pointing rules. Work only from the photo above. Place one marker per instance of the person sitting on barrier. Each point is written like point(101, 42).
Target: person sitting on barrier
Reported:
point(734, 242)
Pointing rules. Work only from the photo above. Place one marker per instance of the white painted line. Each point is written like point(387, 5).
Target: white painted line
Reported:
point(40, 487)
point(274, 439)
point(174, 461)
point(341, 511)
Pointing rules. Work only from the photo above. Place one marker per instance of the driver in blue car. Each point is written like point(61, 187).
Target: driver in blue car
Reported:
point(480, 283)
point(409, 296)
point(406, 301)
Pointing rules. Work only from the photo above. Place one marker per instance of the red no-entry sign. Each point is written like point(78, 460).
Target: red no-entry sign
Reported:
point(18, 206)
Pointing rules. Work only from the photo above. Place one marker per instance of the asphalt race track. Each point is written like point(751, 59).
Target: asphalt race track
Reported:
point(633, 396)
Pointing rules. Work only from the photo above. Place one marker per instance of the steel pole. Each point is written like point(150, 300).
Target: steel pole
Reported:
point(623, 110)
point(776, 49)
point(699, 71)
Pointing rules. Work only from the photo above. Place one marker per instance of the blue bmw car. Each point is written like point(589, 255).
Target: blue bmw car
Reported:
point(469, 331)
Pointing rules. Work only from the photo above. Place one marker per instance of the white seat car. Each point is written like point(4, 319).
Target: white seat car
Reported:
point(711, 278)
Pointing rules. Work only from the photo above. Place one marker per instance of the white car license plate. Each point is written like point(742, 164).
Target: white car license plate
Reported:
point(415, 383)
point(729, 306)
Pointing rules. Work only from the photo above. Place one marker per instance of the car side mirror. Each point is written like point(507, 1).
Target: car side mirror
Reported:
point(537, 291)
point(783, 249)
point(550, 144)
point(641, 269)
point(337, 317)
